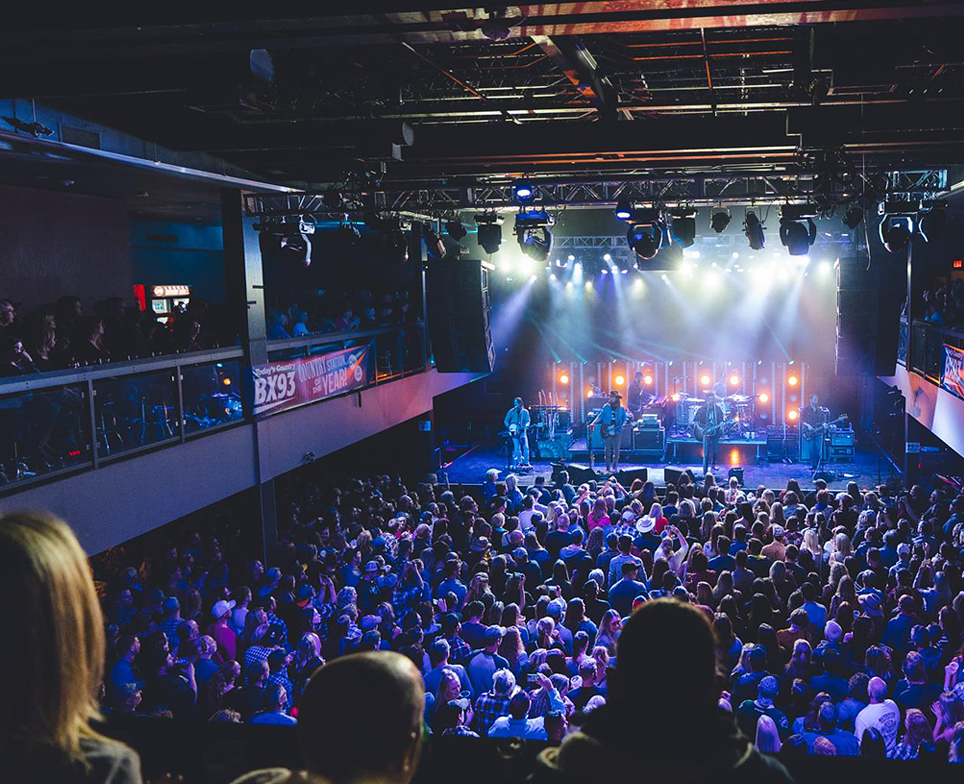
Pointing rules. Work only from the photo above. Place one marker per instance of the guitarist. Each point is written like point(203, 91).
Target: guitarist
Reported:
point(708, 421)
point(611, 421)
point(813, 417)
point(517, 424)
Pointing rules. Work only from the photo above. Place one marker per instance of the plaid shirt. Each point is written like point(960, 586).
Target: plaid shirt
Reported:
point(625, 528)
point(488, 708)
point(282, 679)
point(459, 649)
point(256, 653)
point(170, 627)
point(404, 598)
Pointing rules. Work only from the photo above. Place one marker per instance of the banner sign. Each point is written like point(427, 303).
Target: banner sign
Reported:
point(282, 385)
point(952, 377)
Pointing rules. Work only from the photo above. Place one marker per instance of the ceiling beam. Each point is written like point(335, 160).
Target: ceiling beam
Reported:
point(571, 56)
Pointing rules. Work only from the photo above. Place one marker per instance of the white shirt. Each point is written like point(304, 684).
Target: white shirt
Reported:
point(885, 717)
point(507, 727)
point(525, 519)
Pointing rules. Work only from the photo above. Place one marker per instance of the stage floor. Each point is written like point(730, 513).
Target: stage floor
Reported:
point(867, 469)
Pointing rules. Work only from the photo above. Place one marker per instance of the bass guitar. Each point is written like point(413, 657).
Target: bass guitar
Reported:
point(817, 432)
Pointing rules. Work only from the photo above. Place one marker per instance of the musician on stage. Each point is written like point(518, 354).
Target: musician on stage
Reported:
point(517, 423)
point(709, 422)
point(611, 421)
point(634, 396)
point(813, 417)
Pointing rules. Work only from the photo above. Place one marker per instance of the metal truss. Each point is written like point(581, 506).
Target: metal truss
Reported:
point(684, 190)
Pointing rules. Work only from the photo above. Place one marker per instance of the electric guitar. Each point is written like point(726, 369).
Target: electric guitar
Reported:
point(703, 433)
point(816, 432)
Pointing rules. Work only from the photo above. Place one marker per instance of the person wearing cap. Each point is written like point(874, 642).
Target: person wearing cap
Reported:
point(220, 629)
point(750, 711)
point(799, 629)
point(485, 662)
point(777, 549)
point(665, 676)
point(172, 619)
point(370, 587)
point(611, 420)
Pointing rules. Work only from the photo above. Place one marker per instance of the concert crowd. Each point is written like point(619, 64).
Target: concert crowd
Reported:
point(838, 616)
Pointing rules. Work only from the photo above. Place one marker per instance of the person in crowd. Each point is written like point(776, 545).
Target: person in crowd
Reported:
point(275, 698)
point(494, 703)
point(516, 724)
point(665, 677)
point(375, 734)
point(50, 678)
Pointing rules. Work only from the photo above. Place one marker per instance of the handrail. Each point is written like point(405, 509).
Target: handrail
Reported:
point(133, 367)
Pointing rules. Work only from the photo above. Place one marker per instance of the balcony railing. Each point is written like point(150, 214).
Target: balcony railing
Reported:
point(66, 421)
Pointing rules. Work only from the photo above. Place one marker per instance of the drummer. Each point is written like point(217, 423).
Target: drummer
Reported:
point(719, 388)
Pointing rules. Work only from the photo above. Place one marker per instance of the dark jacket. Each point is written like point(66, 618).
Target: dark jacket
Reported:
point(607, 749)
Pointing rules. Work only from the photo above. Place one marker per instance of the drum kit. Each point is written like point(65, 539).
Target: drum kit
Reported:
point(736, 409)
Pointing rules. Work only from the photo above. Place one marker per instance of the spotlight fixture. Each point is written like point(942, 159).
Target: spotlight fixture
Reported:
point(764, 397)
point(755, 231)
point(684, 226)
point(624, 209)
point(720, 219)
point(433, 243)
point(620, 380)
point(490, 232)
point(647, 233)
point(533, 234)
point(852, 217)
point(564, 379)
point(798, 232)
point(455, 229)
point(793, 381)
point(898, 222)
point(648, 380)
point(931, 223)
point(524, 192)
point(792, 414)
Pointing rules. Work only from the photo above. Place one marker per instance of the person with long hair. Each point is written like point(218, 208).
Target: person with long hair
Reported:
point(51, 676)
point(216, 693)
point(609, 631)
point(767, 737)
point(513, 650)
point(917, 737)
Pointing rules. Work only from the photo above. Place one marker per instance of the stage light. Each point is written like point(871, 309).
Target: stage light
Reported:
point(705, 380)
point(734, 255)
point(764, 397)
point(675, 397)
point(552, 276)
point(824, 268)
point(455, 229)
point(720, 219)
point(226, 382)
point(563, 379)
point(588, 285)
point(684, 226)
point(570, 258)
point(793, 381)
point(734, 380)
point(523, 192)
point(755, 231)
point(624, 209)
point(798, 232)
point(647, 233)
point(852, 217)
point(620, 380)
point(691, 253)
point(490, 232)
point(792, 415)
point(648, 380)
point(589, 392)
point(533, 235)
point(898, 222)
point(734, 457)
point(663, 276)
point(607, 257)
point(932, 222)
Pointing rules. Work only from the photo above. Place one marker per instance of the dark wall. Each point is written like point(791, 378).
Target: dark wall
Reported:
point(55, 243)
point(179, 253)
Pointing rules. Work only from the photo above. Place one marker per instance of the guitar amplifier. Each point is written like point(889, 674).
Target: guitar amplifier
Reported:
point(650, 440)
point(777, 449)
point(841, 446)
point(649, 421)
point(555, 448)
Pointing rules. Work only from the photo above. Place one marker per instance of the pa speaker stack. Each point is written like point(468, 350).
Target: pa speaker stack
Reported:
point(457, 291)
point(869, 300)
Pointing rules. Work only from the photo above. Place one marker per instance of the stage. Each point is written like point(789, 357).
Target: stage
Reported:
point(868, 468)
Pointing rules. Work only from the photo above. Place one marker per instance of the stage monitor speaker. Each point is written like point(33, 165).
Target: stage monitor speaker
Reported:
point(868, 317)
point(672, 476)
point(457, 293)
point(627, 477)
point(579, 475)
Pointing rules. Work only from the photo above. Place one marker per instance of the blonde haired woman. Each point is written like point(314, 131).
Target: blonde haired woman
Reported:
point(50, 679)
point(767, 737)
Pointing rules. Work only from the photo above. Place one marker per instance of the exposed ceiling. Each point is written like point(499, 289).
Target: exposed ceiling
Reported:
point(592, 91)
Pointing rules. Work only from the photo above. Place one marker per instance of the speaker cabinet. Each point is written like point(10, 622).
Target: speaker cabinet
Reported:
point(457, 292)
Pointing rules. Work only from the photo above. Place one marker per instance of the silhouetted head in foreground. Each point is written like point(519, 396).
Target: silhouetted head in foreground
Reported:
point(361, 719)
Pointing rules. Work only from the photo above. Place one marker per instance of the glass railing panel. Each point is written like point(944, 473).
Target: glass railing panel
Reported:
point(132, 412)
point(43, 431)
point(212, 395)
